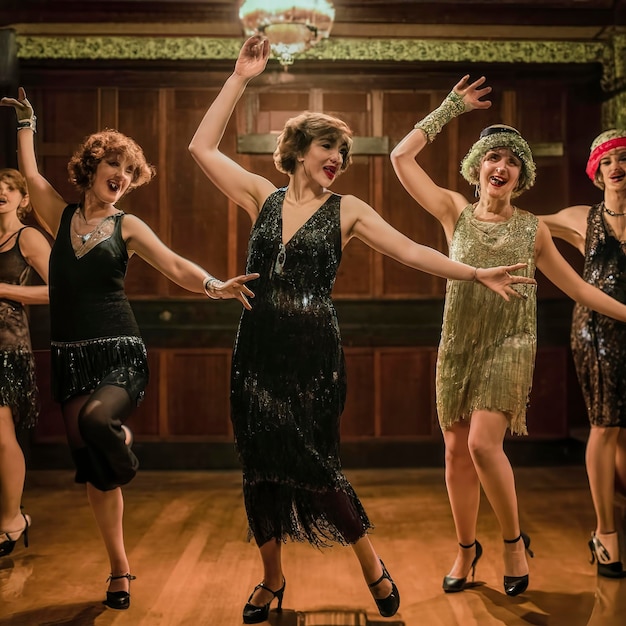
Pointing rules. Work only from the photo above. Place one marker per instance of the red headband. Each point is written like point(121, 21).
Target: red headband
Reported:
point(600, 151)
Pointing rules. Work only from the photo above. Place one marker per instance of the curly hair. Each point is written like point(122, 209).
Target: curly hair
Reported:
point(98, 146)
point(14, 180)
point(300, 131)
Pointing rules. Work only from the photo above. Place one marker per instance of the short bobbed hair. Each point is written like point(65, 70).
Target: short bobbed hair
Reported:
point(98, 146)
point(14, 180)
point(300, 131)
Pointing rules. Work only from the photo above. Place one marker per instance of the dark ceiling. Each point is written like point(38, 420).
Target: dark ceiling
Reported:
point(604, 13)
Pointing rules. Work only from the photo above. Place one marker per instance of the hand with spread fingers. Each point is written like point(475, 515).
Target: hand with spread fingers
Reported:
point(499, 279)
point(233, 288)
point(472, 93)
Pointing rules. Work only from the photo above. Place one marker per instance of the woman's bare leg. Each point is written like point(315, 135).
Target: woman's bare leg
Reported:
point(12, 474)
point(108, 509)
point(464, 494)
point(496, 477)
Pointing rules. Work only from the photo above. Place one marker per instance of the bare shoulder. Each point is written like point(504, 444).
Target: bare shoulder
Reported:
point(32, 237)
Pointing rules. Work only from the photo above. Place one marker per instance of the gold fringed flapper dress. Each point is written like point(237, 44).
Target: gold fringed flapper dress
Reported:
point(487, 351)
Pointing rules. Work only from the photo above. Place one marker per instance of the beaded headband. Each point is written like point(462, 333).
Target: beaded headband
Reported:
point(603, 143)
point(500, 136)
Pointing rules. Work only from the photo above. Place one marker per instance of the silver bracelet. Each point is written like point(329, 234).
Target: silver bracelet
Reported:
point(210, 286)
point(29, 123)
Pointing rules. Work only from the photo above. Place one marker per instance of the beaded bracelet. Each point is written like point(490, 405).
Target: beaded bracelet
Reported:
point(29, 123)
point(210, 286)
point(451, 107)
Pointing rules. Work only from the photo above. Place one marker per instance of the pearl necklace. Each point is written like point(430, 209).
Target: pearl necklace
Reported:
point(612, 213)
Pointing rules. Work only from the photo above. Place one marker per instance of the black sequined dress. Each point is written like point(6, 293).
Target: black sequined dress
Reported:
point(599, 342)
point(18, 388)
point(288, 385)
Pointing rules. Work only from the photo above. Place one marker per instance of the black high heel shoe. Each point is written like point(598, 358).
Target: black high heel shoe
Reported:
point(453, 585)
point(253, 614)
point(514, 585)
point(388, 606)
point(606, 567)
point(119, 600)
point(7, 545)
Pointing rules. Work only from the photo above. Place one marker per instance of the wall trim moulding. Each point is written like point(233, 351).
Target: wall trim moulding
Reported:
point(334, 49)
point(609, 53)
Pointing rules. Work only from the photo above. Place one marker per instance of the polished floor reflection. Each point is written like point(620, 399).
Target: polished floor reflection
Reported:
point(186, 537)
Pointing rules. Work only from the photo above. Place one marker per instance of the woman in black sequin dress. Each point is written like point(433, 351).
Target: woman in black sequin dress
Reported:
point(22, 249)
point(599, 342)
point(99, 361)
point(288, 380)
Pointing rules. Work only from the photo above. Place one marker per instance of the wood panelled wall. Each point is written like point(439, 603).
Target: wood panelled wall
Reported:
point(391, 371)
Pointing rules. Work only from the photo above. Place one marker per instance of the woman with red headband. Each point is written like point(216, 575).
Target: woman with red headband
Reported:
point(599, 342)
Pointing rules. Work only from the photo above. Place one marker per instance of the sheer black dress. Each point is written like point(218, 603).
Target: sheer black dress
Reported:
point(18, 388)
point(288, 385)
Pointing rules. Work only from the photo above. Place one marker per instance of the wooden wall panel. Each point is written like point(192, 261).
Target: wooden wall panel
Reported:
point(401, 112)
point(405, 392)
point(197, 384)
point(548, 407)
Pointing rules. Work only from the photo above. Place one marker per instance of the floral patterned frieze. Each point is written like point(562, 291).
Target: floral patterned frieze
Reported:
point(200, 48)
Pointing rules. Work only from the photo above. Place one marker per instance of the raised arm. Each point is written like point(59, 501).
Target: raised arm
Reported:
point(442, 203)
point(140, 238)
point(46, 202)
point(246, 189)
point(561, 273)
point(569, 224)
point(368, 226)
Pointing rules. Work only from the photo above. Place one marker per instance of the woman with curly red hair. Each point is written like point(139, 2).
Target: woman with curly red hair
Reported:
point(99, 363)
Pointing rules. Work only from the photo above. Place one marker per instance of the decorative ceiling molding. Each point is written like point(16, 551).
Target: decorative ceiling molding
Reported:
point(610, 53)
point(335, 49)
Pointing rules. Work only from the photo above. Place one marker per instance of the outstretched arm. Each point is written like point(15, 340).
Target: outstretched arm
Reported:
point(561, 273)
point(246, 189)
point(140, 238)
point(569, 224)
point(371, 228)
point(46, 202)
point(442, 203)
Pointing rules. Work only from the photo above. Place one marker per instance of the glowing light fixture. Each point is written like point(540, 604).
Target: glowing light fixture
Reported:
point(291, 26)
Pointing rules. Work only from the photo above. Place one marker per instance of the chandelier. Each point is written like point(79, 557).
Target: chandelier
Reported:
point(291, 26)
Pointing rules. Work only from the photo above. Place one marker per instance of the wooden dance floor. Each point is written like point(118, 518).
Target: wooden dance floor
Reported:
point(186, 538)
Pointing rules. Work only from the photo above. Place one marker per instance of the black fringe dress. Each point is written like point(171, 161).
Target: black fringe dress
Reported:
point(92, 326)
point(599, 342)
point(18, 388)
point(288, 385)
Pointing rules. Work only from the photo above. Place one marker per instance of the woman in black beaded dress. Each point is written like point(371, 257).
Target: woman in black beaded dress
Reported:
point(599, 342)
point(22, 249)
point(288, 380)
point(99, 363)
